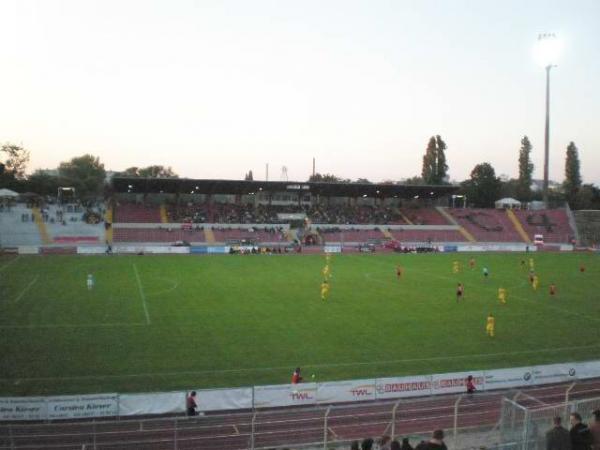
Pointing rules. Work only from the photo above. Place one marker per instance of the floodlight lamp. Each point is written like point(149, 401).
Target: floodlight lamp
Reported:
point(547, 49)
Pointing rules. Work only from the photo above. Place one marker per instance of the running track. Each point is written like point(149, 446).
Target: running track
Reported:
point(281, 427)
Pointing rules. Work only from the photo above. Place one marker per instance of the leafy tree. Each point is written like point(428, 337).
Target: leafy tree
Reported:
point(483, 188)
point(327, 178)
point(572, 181)
point(414, 181)
point(44, 184)
point(15, 160)
point(362, 181)
point(523, 191)
point(155, 171)
point(588, 197)
point(249, 176)
point(509, 188)
point(85, 173)
point(435, 168)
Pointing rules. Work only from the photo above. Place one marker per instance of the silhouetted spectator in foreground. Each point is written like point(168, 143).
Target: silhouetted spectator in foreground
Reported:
point(595, 430)
point(581, 437)
point(406, 445)
point(435, 443)
point(558, 437)
point(354, 446)
point(395, 445)
point(367, 444)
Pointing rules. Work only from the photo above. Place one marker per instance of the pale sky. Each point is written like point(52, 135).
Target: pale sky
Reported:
point(216, 88)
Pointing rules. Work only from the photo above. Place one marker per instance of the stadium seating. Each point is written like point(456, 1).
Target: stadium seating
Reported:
point(588, 225)
point(428, 235)
point(486, 225)
point(424, 216)
point(14, 230)
point(126, 212)
point(161, 235)
point(251, 234)
point(337, 235)
point(553, 224)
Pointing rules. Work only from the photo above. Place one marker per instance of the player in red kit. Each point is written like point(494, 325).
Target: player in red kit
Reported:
point(296, 378)
point(460, 291)
point(552, 289)
point(190, 404)
point(470, 385)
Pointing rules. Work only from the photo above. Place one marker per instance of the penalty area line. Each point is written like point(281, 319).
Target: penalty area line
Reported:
point(31, 283)
point(5, 265)
point(318, 366)
point(141, 289)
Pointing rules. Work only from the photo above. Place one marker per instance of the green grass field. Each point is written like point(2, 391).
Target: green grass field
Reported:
point(178, 322)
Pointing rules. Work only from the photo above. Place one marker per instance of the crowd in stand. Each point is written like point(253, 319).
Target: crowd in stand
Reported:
point(248, 213)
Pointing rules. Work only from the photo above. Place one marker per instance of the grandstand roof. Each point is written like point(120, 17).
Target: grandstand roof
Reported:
point(186, 185)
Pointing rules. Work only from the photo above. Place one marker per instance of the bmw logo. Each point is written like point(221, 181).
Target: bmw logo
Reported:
point(527, 376)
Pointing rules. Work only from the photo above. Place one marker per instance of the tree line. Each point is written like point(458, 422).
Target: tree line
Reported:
point(88, 176)
point(85, 173)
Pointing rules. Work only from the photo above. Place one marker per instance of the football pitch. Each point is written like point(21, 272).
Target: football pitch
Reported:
point(159, 323)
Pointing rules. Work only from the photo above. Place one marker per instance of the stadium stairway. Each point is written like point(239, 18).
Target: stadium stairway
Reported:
point(387, 234)
point(41, 225)
point(518, 226)
point(164, 218)
point(404, 217)
point(468, 236)
point(209, 235)
point(291, 235)
point(108, 233)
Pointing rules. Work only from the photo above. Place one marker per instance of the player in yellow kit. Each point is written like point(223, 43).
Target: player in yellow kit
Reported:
point(324, 290)
point(502, 295)
point(490, 325)
point(535, 283)
point(326, 272)
point(455, 267)
point(531, 264)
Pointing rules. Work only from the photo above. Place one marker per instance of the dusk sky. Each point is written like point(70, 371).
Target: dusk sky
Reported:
point(217, 88)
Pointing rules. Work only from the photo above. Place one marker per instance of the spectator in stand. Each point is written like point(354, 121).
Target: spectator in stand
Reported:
point(191, 404)
point(595, 430)
point(558, 437)
point(406, 445)
point(581, 437)
point(296, 378)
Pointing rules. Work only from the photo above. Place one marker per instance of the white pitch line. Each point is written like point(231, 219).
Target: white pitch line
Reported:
point(139, 282)
point(5, 265)
point(320, 366)
point(20, 296)
point(72, 325)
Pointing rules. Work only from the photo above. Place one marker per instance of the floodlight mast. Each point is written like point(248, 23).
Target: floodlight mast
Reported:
point(547, 49)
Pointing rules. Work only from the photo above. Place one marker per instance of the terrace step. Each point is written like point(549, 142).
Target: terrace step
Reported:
point(164, 218)
point(518, 226)
point(468, 236)
point(108, 234)
point(209, 235)
point(39, 221)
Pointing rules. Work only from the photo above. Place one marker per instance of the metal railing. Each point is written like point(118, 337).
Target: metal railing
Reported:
point(470, 421)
